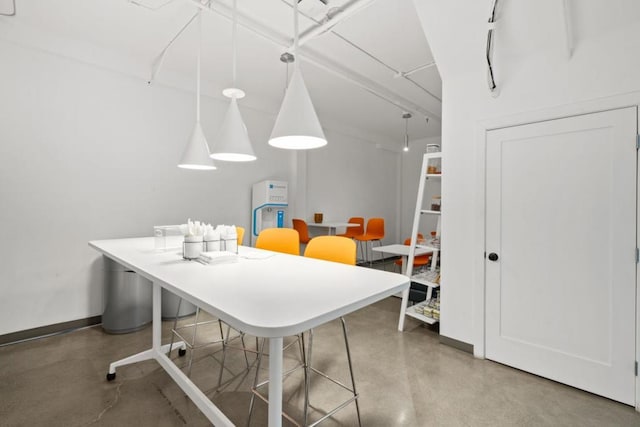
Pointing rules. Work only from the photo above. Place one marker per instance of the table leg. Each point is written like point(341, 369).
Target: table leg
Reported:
point(156, 338)
point(275, 382)
point(156, 331)
point(403, 308)
point(157, 352)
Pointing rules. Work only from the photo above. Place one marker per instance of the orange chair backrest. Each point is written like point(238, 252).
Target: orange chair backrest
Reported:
point(285, 240)
point(422, 259)
point(375, 227)
point(240, 232)
point(300, 226)
point(356, 231)
point(332, 248)
point(407, 241)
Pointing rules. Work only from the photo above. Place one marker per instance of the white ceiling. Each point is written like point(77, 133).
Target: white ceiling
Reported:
point(458, 29)
point(383, 38)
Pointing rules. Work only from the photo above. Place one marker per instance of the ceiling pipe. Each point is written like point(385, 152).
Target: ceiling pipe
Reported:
point(396, 73)
point(348, 12)
point(415, 70)
point(157, 63)
point(272, 36)
point(375, 89)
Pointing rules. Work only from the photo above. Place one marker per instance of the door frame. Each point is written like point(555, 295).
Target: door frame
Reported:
point(482, 127)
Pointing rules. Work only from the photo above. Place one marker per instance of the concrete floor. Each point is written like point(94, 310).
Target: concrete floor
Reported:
point(405, 379)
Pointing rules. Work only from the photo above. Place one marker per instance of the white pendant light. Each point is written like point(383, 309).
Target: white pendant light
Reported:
point(406, 117)
point(232, 143)
point(196, 153)
point(297, 126)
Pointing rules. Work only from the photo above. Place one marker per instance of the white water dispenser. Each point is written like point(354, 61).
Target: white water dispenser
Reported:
point(269, 206)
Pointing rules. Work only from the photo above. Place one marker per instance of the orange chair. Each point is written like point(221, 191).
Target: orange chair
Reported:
point(352, 232)
point(374, 233)
point(284, 240)
point(332, 248)
point(418, 261)
point(240, 232)
point(300, 226)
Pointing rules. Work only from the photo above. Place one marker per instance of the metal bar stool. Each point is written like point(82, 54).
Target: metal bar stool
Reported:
point(329, 248)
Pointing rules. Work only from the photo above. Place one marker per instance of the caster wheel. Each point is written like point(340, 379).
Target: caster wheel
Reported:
point(111, 377)
point(182, 352)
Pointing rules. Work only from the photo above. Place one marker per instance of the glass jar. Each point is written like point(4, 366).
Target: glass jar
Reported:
point(434, 165)
point(436, 202)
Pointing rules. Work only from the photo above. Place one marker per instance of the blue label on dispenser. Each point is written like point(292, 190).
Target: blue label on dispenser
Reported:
point(280, 219)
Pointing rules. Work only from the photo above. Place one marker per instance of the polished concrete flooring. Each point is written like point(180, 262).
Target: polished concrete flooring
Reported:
point(405, 379)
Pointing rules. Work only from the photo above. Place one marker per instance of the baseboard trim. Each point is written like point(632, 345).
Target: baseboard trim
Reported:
point(466, 347)
point(44, 331)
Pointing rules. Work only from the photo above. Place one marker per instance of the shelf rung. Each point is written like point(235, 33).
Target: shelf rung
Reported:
point(421, 317)
point(428, 247)
point(428, 211)
point(425, 282)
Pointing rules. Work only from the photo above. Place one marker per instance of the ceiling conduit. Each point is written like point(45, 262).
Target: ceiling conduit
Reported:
point(341, 16)
point(489, 52)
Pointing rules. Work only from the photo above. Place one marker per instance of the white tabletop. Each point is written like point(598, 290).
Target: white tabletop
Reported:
point(277, 296)
point(332, 224)
point(402, 250)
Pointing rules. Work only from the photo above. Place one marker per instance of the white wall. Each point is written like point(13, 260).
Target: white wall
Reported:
point(353, 178)
point(89, 153)
point(538, 78)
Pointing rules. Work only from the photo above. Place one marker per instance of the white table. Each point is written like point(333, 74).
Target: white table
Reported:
point(263, 297)
point(403, 251)
point(332, 226)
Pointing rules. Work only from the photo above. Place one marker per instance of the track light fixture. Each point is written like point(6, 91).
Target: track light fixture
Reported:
point(233, 143)
point(406, 117)
point(297, 126)
point(196, 153)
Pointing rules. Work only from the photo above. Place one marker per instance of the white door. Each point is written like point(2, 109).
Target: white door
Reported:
point(561, 221)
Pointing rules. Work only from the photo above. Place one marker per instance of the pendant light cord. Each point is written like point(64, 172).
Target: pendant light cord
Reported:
point(198, 62)
point(234, 42)
point(295, 33)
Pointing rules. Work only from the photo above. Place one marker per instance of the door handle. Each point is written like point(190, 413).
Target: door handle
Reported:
point(493, 256)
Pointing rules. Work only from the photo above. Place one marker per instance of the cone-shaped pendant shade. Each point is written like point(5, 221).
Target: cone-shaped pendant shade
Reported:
point(196, 153)
point(297, 126)
point(232, 143)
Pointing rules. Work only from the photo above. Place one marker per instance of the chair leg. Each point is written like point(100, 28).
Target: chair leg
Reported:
point(175, 323)
point(307, 377)
point(353, 381)
point(224, 355)
point(244, 349)
point(255, 382)
point(379, 244)
point(193, 341)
